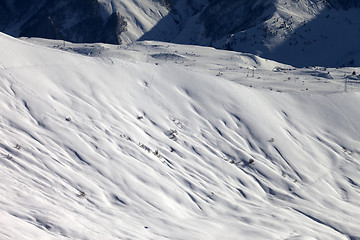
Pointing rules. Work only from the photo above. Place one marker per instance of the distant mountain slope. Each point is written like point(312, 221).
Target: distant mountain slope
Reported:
point(107, 21)
point(296, 32)
point(299, 33)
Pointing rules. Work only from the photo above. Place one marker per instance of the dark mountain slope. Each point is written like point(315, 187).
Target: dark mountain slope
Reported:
point(76, 21)
point(297, 32)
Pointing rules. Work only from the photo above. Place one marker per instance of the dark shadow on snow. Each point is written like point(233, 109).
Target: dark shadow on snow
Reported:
point(330, 40)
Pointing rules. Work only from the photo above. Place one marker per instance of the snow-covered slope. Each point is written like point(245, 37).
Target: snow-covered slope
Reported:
point(110, 21)
point(300, 33)
point(144, 146)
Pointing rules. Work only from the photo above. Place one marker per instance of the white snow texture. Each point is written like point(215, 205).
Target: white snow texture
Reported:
point(163, 141)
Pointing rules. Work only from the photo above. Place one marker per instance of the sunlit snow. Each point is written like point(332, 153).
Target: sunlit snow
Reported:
point(163, 141)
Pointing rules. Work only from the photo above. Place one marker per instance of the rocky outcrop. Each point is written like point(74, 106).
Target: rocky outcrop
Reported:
point(75, 21)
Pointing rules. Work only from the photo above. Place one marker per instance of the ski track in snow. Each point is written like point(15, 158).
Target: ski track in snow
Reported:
point(162, 141)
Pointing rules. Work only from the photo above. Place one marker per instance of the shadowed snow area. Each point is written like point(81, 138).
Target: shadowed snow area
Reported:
point(123, 148)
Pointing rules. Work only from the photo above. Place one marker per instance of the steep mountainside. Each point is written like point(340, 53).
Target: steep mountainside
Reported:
point(144, 142)
point(80, 21)
point(300, 33)
point(281, 30)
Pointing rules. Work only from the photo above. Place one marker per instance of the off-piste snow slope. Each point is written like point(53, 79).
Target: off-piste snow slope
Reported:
point(123, 148)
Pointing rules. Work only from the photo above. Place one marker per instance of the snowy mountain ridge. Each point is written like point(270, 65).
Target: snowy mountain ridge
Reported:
point(300, 33)
point(164, 141)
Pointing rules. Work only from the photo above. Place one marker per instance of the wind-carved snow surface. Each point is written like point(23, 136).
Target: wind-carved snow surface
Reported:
point(143, 146)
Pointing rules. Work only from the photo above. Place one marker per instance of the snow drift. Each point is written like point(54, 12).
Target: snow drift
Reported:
point(107, 148)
